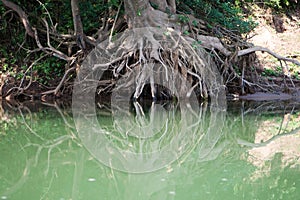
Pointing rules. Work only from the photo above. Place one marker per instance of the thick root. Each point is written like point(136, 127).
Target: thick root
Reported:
point(155, 55)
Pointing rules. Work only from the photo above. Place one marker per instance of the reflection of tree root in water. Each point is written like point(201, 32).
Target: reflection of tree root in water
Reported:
point(49, 186)
point(205, 142)
point(48, 145)
point(197, 121)
point(58, 109)
point(201, 137)
point(26, 124)
point(23, 179)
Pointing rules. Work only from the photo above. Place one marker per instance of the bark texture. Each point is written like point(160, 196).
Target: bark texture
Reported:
point(78, 28)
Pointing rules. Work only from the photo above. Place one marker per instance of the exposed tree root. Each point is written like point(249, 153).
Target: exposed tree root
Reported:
point(202, 60)
point(156, 55)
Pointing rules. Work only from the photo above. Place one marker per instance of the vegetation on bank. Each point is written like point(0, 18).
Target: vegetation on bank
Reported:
point(50, 53)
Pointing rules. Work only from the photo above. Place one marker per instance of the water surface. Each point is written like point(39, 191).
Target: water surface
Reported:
point(247, 151)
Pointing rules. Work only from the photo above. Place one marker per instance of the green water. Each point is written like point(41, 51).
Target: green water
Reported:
point(250, 151)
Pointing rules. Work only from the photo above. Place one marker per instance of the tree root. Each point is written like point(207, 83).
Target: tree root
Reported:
point(155, 55)
point(144, 48)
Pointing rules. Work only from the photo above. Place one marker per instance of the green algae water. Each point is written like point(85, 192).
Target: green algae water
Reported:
point(248, 151)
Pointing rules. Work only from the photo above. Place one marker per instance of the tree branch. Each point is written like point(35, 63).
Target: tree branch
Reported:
point(50, 50)
point(78, 28)
point(22, 15)
point(213, 43)
point(263, 49)
point(55, 91)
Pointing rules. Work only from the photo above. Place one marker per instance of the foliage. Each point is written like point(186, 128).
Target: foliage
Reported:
point(278, 4)
point(272, 72)
point(217, 12)
point(49, 69)
point(293, 71)
point(275, 4)
point(14, 54)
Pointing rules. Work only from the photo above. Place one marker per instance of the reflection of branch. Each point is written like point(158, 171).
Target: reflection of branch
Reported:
point(28, 127)
point(78, 172)
point(282, 121)
point(249, 144)
point(213, 134)
point(53, 144)
point(49, 144)
point(270, 107)
point(20, 182)
point(49, 186)
point(295, 131)
point(60, 112)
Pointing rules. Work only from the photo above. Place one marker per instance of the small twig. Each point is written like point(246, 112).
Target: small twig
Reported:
point(48, 34)
point(47, 12)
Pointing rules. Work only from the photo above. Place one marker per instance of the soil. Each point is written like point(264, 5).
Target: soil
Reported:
point(281, 34)
point(278, 32)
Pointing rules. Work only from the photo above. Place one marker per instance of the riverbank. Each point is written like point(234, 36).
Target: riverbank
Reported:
point(262, 75)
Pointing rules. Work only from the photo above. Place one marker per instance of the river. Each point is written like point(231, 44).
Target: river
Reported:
point(248, 150)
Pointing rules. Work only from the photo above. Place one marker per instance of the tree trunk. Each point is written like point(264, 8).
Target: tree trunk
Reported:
point(139, 13)
point(78, 28)
point(168, 6)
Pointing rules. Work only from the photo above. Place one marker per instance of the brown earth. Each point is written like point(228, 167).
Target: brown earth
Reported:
point(281, 34)
point(278, 32)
